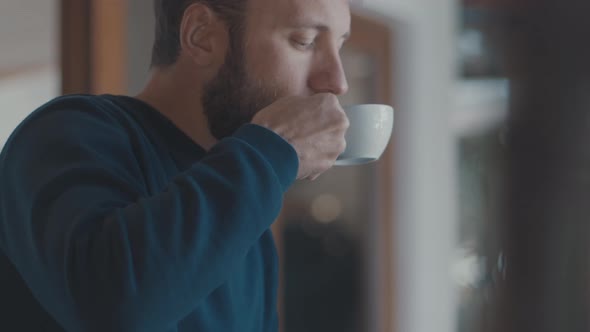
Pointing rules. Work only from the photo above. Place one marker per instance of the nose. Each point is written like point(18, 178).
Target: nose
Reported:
point(329, 76)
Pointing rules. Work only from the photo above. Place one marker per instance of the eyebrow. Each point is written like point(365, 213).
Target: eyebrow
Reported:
point(319, 27)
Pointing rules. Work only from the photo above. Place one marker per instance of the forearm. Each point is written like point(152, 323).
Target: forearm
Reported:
point(122, 264)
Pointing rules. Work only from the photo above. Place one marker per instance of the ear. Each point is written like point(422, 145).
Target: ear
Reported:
point(202, 35)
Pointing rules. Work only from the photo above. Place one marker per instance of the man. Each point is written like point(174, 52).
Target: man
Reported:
point(152, 213)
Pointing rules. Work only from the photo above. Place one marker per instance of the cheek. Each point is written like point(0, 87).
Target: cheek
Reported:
point(281, 66)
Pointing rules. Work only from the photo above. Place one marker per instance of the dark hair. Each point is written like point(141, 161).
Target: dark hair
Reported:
point(169, 15)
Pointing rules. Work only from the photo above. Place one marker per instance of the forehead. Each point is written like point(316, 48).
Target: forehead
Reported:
point(276, 13)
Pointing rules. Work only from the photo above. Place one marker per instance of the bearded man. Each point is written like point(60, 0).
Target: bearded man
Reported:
point(153, 212)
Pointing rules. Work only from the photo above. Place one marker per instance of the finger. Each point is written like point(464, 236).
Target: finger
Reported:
point(314, 177)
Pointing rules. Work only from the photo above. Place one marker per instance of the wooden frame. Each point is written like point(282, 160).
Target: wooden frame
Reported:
point(375, 38)
point(93, 46)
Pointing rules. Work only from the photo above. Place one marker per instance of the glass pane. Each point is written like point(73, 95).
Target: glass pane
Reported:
point(327, 232)
point(479, 124)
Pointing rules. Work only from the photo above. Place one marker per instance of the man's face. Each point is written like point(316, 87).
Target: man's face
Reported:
point(288, 48)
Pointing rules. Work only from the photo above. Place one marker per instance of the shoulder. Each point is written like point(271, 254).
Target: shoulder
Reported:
point(75, 107)
point(66, 124)
point(77, 133)
point(73, 117)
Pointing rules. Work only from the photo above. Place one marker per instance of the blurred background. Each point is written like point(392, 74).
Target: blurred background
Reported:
point(476, 218)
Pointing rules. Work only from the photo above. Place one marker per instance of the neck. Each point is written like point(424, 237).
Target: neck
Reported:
point(179, 99)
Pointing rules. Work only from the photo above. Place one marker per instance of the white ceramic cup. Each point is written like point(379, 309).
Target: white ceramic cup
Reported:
point(368, 135)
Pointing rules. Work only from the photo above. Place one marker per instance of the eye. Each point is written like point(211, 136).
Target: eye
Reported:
point(304, 44)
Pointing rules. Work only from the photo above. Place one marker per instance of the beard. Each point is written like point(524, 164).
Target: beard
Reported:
point(232, 98)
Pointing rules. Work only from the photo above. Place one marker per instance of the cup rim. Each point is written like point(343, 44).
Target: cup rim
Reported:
point(363, 105)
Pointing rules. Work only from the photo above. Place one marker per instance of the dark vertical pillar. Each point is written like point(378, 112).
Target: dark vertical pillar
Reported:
point(546, 231)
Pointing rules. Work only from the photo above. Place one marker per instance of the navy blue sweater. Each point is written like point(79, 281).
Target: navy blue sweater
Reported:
point(111, 219)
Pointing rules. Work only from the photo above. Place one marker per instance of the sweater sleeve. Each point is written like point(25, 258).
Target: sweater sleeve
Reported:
point(101, 256)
